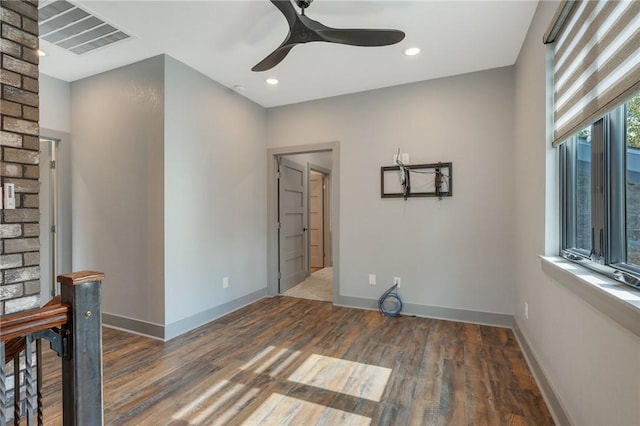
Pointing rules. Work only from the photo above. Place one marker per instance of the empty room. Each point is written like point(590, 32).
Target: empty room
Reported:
point(305, 212)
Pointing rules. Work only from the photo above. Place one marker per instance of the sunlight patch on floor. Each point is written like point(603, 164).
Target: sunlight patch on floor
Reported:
point(283, 410)
point(347, 377)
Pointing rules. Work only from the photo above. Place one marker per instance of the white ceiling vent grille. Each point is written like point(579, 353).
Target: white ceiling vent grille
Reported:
point(68, 26)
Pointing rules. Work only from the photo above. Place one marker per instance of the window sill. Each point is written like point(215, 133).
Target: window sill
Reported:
point(615, 300)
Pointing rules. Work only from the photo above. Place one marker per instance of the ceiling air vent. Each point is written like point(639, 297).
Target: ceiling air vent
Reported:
point(70, 27)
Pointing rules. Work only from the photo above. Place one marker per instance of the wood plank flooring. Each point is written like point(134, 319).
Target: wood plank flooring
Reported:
point(304, 362)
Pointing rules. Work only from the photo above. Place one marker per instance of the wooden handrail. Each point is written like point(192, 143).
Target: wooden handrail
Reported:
point(23, 323)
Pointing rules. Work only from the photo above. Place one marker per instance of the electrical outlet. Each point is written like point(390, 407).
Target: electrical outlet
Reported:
point(526, 310)
point(372, 279)
point(225, 282)
point(396, 280)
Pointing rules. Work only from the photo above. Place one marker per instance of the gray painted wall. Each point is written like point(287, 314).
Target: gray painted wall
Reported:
point(455, 253)
point(215, 204)
point(592, 363)
point(322, 159)
point(55, 104)
point(117, 127)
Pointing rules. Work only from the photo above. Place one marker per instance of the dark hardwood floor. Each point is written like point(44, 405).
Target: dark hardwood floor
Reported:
point(309, 362)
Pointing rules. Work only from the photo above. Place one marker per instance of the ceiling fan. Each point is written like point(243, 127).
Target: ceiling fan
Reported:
point(304, 30)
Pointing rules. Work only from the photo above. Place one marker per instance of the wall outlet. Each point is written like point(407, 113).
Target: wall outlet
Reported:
point(225, 282)
point(404, 158)
point(372, 279)
point(526, 310)
point(396, 280)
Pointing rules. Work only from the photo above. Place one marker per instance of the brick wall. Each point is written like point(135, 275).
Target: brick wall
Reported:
point(19, 145)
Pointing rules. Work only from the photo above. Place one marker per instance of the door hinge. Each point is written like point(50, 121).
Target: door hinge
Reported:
point(278, 225)
point(279, 275)
point(278, 174)
point(52, 164)
point(53, 229)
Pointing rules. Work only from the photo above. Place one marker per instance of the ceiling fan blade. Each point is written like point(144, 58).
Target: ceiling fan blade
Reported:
point(361, 37)
point(287, 10)
point(274, 58)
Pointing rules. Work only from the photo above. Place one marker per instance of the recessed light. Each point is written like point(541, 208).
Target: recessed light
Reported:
point(412, 51)
point(42, 53)
point(272, 81)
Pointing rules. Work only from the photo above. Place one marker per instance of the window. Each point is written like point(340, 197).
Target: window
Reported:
point(596, 117)
point(600, 191)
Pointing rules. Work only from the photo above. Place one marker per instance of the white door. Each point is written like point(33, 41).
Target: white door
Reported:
point(316, 219)
point(292, 219)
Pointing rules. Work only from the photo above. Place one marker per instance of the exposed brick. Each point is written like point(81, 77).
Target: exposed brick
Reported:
point(31, 142)
point(18, 65)
point(32, 287)
point(19, 155)
point(21, 96)
point(11, 108)
point(10, 139)
point(30, 55)
point(18, 125)
point(30, 200)
point(31, 259)
point(26, 8)
point(31, 172)
point(21, 274)
point(10, 48)
point(10, 78)
point(13, 155)
point(10, 261)
point(19, 36)
point(10, 230)
point(20, 216)
point(21, 304)
point(11, 291)
point(31, 229)
point(9, 16)
point(30, 26)
point(29, 186)
point(30, 84)
point(30, 113)
point(21, 245)
point(10, 169)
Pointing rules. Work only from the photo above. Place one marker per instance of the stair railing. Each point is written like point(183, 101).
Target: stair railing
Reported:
point(72, 324)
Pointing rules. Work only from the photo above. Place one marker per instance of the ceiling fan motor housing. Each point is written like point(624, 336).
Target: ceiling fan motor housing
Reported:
point(303, 4)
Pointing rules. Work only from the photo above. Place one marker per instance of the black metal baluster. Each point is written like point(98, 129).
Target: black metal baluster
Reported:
point(29, 380)
point(17, 412)
point(39, 381)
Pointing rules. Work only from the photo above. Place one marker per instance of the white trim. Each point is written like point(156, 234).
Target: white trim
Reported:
point(619, 302)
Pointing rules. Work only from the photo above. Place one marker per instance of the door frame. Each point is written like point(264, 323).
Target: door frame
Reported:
point(272, 210)
point(63, 208)
point(327, 175)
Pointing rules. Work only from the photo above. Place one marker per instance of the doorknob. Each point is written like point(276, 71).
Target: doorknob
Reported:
point(304, 229)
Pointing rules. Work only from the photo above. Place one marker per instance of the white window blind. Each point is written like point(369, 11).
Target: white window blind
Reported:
point(596, 61)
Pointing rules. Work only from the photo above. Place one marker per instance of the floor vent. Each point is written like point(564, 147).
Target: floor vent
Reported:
point(70, 27)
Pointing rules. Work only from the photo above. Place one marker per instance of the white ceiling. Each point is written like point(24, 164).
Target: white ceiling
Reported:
point(224, 39)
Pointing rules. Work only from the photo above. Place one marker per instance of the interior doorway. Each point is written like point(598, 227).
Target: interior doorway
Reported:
point(303, 209)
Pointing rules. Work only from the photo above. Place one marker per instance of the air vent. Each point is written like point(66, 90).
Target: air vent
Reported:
point(72, 28)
